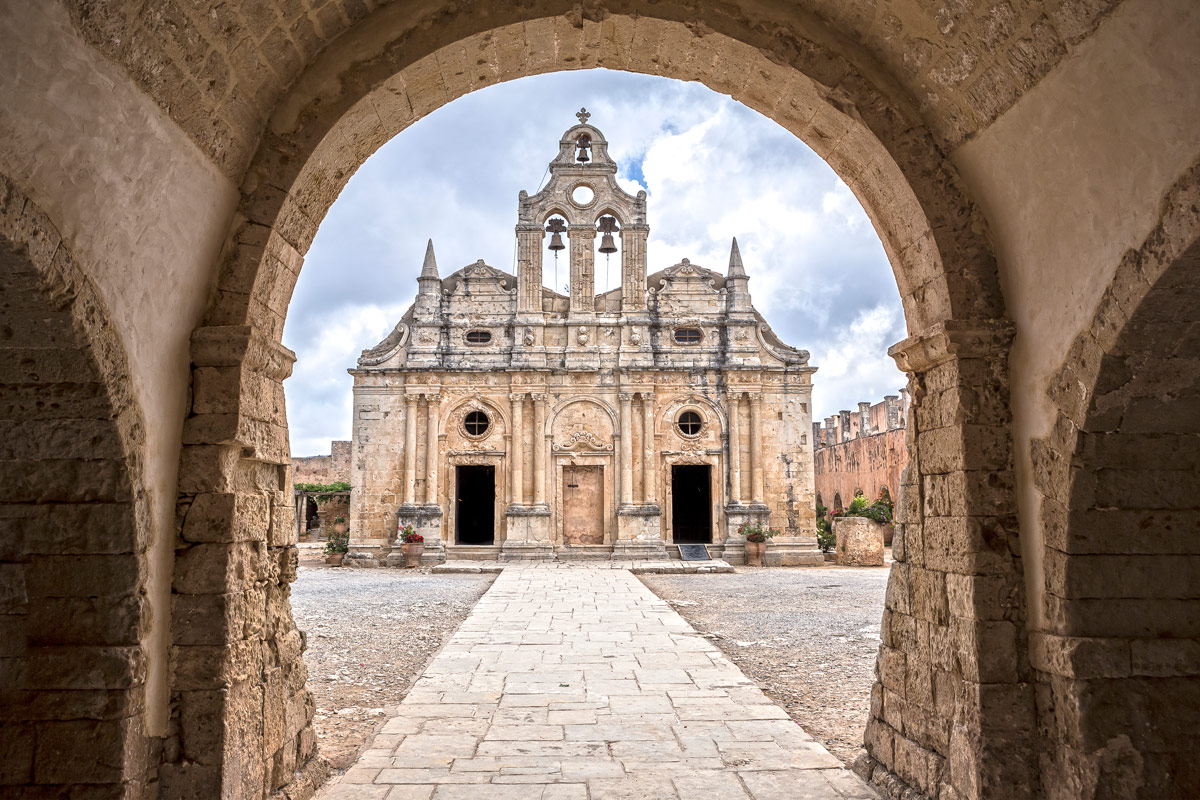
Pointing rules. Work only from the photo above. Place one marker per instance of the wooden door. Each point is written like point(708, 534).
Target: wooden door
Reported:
point(583, 505)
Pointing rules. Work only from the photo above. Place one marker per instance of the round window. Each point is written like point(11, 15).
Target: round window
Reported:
point(582, 195)
point(479, 337)
point(476, 423)
point(687, 336)
point(689, 423)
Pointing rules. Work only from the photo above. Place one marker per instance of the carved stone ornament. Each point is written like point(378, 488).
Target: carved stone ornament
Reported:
point(582, 337)
point(427, 336)
point(582, 440)
point(635, 337)
point(528, 337)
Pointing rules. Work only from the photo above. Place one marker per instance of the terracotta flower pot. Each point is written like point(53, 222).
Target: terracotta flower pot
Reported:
point(754, 553)
point(339, 528)
point(334, 559)
point(412, 553)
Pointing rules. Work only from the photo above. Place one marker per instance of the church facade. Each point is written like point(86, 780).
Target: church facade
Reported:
point(503, 419)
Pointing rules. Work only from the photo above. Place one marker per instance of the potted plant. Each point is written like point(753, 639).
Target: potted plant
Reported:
point(412, 545)
point(756, 541)
point(339, 525)
point(336, 547)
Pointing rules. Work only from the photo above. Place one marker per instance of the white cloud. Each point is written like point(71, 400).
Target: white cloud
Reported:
point(712, 168)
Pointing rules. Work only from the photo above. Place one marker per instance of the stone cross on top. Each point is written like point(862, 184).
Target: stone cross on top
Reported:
point(583, 116)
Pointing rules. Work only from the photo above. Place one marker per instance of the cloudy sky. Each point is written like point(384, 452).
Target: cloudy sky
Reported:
point(713, 169)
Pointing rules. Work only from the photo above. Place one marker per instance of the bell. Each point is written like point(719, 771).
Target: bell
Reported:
point(606, 244)
point(556, 242)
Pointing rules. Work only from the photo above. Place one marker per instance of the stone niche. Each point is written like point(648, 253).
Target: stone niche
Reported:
point(859, 542)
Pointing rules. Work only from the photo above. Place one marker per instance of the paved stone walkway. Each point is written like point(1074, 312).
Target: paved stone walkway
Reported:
point(577, 683)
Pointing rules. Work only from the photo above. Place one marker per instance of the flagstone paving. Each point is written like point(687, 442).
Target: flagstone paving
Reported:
point(577, 683)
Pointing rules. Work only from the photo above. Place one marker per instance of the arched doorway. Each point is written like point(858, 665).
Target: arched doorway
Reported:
point(74, 625)
point(1119, 661)
point(934, 237)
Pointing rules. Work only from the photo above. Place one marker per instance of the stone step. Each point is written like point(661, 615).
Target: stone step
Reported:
point(472, 552)
point(584, 552)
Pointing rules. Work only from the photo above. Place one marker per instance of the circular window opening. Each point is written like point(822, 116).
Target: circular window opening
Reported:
point(479, 337)
point(476, 423)
point(687, 336)
point(689, 423)
point(582, 195)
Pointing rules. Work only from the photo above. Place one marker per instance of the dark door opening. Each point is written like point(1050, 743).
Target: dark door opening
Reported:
point(475, 505)
point(691, 504)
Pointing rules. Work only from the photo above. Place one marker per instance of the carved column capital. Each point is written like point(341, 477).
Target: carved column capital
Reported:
point(433, 397)
point(517, 397)
point(953, 338)
point(625, 397)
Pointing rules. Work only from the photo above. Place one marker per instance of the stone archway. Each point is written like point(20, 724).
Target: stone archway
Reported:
point(1118, 662)
point(74, 526)
point(957, 523)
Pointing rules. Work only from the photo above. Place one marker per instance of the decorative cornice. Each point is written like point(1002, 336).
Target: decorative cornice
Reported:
point(989, 338)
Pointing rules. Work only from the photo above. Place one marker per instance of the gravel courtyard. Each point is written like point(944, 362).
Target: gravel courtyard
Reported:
point(807, 637)
point(370, 634)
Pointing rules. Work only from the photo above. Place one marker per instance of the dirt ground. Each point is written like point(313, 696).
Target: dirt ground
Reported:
point(370, 633)
point(807, 636)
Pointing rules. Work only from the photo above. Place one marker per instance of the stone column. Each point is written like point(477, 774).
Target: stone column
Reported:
point(626, 448)
point(432, 451)
point(301, 509)
point(735, 448)
point(583, 281)
point(864, 419)
point(539, 449)
point(410, 448)
point(648, 449)
point(633, 267)
point(756, 459)
point(529, 269)
point(517, 449)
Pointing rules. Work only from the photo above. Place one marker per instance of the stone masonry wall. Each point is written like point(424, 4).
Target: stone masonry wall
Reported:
point(332, 468)
point(861, 457)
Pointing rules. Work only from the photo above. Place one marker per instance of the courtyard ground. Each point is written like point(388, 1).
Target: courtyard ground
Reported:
point(370, 633)
point(808, 637)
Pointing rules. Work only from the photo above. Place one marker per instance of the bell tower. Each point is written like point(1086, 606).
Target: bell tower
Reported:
point(582, 192)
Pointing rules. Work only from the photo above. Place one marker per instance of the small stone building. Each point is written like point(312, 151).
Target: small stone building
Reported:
point(504, 419)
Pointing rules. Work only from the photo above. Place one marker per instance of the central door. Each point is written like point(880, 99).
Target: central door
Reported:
point(691, 504)
point(583, 505)
point(475, 504)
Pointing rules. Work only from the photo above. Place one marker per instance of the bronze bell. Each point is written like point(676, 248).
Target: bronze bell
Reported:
point(583, 143)
point(556, 227)
point(607, 245)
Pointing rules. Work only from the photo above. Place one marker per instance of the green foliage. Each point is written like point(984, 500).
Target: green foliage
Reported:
point(825, 537)
point(755, 532)
point(880, 510)
point(322, 492)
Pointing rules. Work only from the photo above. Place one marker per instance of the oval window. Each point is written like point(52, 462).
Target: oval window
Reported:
point(479, 337)
point(582, 195)
point(476, 423)
point(687, 336)
point(689, 423)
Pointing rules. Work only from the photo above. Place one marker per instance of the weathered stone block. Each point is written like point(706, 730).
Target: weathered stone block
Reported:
point(859, 542)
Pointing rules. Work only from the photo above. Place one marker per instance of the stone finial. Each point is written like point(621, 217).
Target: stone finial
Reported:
point(583, 115)
point(736, 270)
point(429, 268)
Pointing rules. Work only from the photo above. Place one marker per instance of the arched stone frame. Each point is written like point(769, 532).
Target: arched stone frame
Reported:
point(1118, 664)
point(691, 451)
point(453, 411)
point(362, 91)
point(75, 565)
point(589, 452)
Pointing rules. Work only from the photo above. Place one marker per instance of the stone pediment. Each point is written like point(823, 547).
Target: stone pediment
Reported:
point(687, 278)
point(479, 278)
